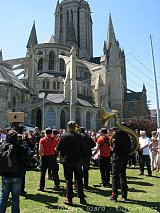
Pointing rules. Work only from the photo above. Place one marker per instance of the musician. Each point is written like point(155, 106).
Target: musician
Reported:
point(120, 153)
point(70, 148)
point(48, 155)
point(104, 158)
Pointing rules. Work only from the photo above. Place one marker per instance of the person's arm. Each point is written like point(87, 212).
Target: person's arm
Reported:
point(40, 150)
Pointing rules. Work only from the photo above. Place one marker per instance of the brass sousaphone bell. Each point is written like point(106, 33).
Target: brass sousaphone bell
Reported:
point(108, 114)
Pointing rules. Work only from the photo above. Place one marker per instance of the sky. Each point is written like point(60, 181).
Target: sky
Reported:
point(133, 21)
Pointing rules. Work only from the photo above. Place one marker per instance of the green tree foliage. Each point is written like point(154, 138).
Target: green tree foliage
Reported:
point(142, 124)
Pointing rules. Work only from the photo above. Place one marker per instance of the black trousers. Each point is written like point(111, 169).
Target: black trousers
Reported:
point(119, 174)
point(105, 168)
point(49, 162)
point(69, 170)
point(85, 167)
point(144, 159)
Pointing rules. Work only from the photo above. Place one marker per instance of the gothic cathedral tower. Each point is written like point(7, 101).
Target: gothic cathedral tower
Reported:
point(73, 26)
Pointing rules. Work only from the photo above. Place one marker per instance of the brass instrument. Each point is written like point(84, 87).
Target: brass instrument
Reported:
point(108, 114)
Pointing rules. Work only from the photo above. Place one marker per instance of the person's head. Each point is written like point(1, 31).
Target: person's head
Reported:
point(82, 130)
point(104, 131)
point(12, 136)
point(48, 131)
point(71, 125)
point(55, 132)
point(142, 133)
point(36, 129)
point(154, 140)
point(154, 133)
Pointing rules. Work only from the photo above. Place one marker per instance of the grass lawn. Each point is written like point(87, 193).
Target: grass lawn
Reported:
point(144, 195)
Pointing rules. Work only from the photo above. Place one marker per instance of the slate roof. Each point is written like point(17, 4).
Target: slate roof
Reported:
point(59, 99)
point(7, 76)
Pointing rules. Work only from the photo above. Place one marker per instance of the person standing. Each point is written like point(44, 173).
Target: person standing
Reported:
point(70, 148)
point(120, 153)
point(48, 155)
point(88, 144)
point(11, 181)
point(104, 157)
point(144, 157)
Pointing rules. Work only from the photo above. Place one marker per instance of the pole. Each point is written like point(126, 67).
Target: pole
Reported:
point(155, 83)
point(43, 113)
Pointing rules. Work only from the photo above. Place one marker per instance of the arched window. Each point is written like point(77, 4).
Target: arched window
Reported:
point(44, 85)
point(67, 19)
point(88, 120)
point(51, 118)
point(62, 121)
point(51, 61)
point(78, 117)
point(54, 84)
point(62, 65)
point(40, 64)
point(47, 84)
point(58, 85)
point(14, 103)
point(72, 16)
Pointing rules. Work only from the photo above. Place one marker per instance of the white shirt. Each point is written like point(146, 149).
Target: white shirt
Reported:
point(143, 142)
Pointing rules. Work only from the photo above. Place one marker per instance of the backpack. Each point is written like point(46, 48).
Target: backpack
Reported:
point(8, 158)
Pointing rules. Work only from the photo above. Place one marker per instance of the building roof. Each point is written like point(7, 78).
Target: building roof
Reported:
point(7, 76)
point(59, 99)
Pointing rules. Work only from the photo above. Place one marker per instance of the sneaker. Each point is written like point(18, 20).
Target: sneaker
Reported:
point(141, 174)
point(124, 200)
point(68, 202)
point(83, 201)
point(113, 199)
point(149, 175)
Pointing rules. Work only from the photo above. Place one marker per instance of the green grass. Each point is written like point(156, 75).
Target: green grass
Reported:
point(144, 195)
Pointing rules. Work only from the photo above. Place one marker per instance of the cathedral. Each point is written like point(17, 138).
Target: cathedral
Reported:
point(61, 80)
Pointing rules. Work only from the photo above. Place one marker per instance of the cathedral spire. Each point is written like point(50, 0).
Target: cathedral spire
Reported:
point(57, 10)
point(110, 32)
point(71, 36)
point(1, 57)
point(33, 36)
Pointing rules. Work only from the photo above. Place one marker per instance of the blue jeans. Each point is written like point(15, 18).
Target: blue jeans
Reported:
point(12, 185)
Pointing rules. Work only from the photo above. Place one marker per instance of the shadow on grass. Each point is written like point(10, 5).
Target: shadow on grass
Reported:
point(152, 205)
point(42, 198)
point(140, 183)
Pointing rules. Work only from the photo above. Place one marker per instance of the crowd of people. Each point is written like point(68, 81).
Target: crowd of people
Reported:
point(76, 149)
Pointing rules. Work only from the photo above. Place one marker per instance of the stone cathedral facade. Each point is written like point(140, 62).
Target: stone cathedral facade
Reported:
point(60, 79)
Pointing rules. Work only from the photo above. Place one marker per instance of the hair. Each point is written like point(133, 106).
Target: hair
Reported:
point(48, 131)
point(12, 136)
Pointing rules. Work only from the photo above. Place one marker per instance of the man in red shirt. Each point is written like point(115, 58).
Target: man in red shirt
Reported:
point(104, 159)
point(47, 152)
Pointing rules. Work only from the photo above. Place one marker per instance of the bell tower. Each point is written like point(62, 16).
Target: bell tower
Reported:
point(74, 16)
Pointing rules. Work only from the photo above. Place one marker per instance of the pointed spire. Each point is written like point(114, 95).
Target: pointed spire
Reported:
point(71, 36)
point(110, 32)
point(57, 10)
point(33, 36)
point(144, 88)
point(1, 57)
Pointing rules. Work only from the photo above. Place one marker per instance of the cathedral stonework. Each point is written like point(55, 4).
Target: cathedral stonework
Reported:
point(62, 80)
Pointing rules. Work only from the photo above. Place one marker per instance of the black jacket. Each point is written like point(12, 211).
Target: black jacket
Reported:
point(88, 144)
point(70, 147)
point(121, 146)
point(22, 155)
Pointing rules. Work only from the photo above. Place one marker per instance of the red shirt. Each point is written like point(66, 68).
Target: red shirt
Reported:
point(105, 148)
point(49, 144)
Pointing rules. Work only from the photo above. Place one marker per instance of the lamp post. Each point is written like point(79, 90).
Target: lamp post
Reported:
point(155, 83)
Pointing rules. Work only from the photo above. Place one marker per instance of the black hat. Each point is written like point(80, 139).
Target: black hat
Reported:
point(82, 129)
point(48, 131)
point(71, 124)
point(55, 132)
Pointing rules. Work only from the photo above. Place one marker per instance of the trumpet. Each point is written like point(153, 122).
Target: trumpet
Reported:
point(108, 114)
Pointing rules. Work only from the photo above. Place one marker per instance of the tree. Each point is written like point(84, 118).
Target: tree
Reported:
point(142, 124)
